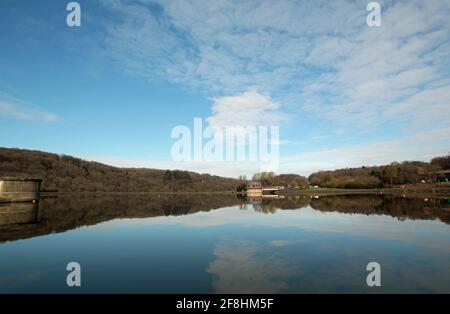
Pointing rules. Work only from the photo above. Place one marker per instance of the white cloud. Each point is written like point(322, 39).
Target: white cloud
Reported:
point(382, 69)
point(410, 147)
point(372, 153)
point(224, 47)
point(21, 112)
point(239, 267)
point(248, 109)
point(319, 58)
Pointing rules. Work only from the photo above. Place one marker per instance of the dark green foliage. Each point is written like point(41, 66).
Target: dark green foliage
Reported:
point(168, 175)
point(241, 187)
point(181, 175)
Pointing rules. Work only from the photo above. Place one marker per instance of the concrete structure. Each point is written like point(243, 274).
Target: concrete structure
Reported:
point(272, 190)
point(255, 189)
point(18, 213)
point(19, 188)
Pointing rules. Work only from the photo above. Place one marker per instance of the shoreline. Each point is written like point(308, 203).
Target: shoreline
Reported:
point(47, 194)
point(444, 191)
point(437, 191)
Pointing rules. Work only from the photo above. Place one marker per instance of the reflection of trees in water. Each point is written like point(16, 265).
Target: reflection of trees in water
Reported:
point(266, 207)
point(290, 202)
point(178, 209)
point(347, 203)
point(271, 205)
point(243, 206)
point(395, 206)
point(392, 205)
point(70, 212)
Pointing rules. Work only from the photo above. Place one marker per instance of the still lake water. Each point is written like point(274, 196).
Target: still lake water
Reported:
point(220, 244)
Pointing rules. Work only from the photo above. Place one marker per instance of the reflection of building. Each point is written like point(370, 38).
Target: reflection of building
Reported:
point(273, 196)
point(254, 200)
point(19, 188)
point(18, 213)
point(260, 198)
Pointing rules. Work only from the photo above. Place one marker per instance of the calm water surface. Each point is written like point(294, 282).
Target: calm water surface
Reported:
point(220, 244)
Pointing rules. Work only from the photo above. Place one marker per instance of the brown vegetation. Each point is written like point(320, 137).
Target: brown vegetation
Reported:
point(69, 174)
point(287, 180)
point(408, 172)
point(67, 212)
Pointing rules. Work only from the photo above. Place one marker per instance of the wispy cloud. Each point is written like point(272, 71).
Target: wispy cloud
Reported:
point(368, 154)
point(395, 73)
point(319, 58)
point(317, 61)
point(23, 112)
point(372, 153)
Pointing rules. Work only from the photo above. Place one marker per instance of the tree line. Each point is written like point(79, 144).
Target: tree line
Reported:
point(290, 181)
point(394, 174)
point(61, 173)
point(69, 174)
point(407, 172)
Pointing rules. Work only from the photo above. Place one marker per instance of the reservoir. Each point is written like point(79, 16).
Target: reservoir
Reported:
point(216, 243)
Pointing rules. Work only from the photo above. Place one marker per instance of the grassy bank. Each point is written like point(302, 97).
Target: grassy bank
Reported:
point(440, 191)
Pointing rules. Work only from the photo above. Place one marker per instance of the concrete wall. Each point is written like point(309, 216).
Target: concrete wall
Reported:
point(18, 213)
point(254, 192)
point(19, 190)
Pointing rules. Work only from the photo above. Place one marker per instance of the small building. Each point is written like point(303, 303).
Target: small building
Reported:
point(19, 188)
point(254, 189)
point(254, 185)
point(443, 175)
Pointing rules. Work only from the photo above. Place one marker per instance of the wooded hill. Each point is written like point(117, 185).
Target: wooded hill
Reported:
point(69, 174)
point(407, 172)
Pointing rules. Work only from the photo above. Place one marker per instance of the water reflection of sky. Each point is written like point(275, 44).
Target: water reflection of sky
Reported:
point(233, 250)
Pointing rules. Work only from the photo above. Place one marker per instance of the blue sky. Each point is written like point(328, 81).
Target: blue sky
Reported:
point(344, 94)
